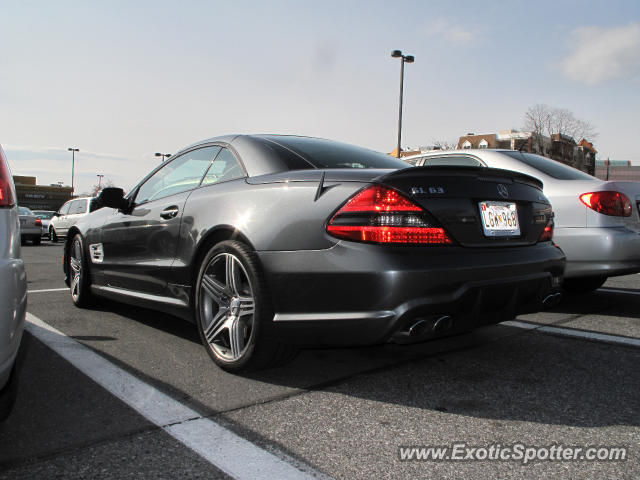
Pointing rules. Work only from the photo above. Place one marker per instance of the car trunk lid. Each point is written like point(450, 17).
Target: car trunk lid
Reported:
point(453, 196)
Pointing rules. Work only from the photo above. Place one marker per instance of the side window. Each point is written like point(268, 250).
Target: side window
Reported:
point(78, 206)
point(64, 209)
point(224, 167)
point(178, 175)
point(457, 160)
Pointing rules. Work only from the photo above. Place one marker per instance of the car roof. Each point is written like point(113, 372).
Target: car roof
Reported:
point(255, 150)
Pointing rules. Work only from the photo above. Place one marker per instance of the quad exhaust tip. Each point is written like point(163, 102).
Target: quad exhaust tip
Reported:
point(421, 325)
point(552, 300)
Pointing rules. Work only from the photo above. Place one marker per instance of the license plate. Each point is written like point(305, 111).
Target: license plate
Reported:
point(499, 219)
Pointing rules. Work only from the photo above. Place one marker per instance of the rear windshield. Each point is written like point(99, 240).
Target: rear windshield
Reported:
point(24, 211)
point(44, 215)
point(549, 167)
point(322, 153)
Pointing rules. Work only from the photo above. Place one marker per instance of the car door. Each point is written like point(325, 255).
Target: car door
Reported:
point(140, 245)
point(59, 221)
point(77, 210)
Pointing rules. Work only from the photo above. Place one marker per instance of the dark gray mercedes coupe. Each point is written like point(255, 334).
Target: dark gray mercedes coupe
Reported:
point(271, 242)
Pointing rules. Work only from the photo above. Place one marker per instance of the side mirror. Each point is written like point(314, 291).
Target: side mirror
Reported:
point(56, 214)
point(112, 197)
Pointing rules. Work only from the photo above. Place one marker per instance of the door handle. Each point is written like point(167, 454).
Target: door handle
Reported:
point(170, 212)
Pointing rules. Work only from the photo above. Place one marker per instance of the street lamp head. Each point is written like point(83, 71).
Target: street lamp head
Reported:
point(73, 149)
point(158, 154)
point(396, 53)
point(409, 59)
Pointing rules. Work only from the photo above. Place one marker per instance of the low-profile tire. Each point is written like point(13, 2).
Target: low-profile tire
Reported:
point(78, 268)
point(52, 235)
point(37, 240)
point(583, 284)
point(234, 312)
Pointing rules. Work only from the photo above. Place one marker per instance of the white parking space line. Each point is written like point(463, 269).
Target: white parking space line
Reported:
point(232, 454)
point(48, 290)
point(615, 290)
point(569, 332)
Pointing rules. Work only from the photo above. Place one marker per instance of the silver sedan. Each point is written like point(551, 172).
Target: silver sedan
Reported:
point(13, 293)
point(597, 223)
point(30, 226)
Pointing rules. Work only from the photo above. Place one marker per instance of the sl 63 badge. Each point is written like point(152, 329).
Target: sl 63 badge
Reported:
point(431, 190)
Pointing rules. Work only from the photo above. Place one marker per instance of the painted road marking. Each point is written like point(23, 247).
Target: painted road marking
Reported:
point(234, 455)
point(615, 290)
point(49, 290)
point(569, 332)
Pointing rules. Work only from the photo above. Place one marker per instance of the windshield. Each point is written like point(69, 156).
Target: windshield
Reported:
point(549, 167)
point(321, 153)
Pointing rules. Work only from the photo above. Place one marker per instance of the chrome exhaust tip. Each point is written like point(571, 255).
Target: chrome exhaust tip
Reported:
point(552, 300)
point(443, 323)
point(418, 328)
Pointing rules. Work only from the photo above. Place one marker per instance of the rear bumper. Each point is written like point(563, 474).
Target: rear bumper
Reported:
point(365, 294)
point(31, 232)
point(599, 251)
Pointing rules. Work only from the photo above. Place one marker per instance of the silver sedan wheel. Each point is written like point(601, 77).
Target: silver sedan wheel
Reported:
point(75, 262)
point(226, 306)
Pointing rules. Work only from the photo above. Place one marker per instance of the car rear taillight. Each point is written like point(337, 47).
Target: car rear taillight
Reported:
point(382, 215)
point(608, 202)
point(38, 222)
point(547, 233)
point(6, 188)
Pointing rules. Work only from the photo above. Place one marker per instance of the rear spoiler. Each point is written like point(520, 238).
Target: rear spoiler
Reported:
point(480, 173)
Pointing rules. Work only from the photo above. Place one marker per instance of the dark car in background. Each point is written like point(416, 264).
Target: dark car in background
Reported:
point(269, 243)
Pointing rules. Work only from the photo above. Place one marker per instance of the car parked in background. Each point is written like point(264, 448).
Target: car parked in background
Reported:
point(30, 226)
point(13, 289)
point(271, 242)
point(45, 217)
point(69, 214)
point(597, 222)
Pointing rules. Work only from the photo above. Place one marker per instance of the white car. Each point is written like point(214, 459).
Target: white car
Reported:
point(13, 289)
point(69, 214)
point(597, 222)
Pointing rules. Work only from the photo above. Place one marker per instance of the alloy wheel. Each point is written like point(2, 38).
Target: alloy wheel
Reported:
point(227, 306)
point(75, 262)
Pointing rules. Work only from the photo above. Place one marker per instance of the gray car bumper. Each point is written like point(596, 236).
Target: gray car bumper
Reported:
point(364, 294)
point(599, 251)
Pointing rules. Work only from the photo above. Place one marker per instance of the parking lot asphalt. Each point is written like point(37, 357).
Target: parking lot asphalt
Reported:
point(341, 413)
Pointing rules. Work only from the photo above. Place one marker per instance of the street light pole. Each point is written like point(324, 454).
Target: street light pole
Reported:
point(404, 59)
point(73, 164)
point(99, 180)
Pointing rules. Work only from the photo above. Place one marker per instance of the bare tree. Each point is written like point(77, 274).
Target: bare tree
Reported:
point(444, 144)
point(96, 188)
point(545, 120)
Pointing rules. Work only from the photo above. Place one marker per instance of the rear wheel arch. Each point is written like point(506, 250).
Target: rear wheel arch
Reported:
point(213, 237)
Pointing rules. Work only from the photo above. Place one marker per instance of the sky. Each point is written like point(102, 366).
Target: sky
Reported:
point(121, 80)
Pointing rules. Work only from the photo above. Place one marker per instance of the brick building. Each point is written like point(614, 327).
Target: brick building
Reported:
point(559, 147)
point(40, 197)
